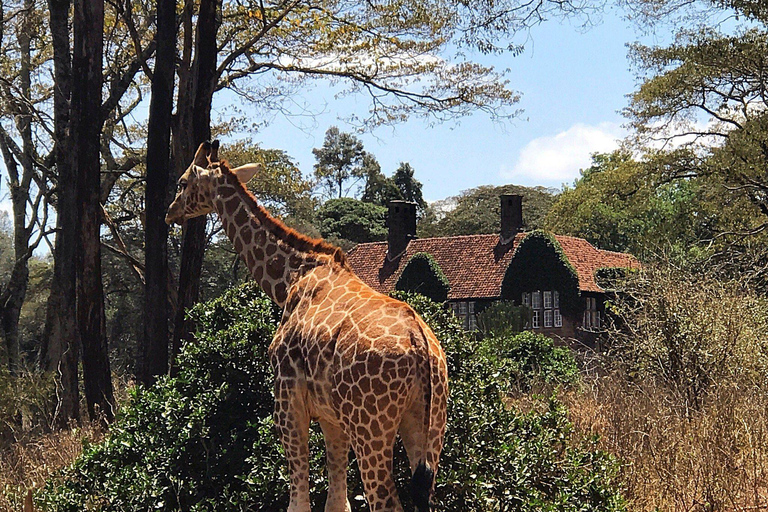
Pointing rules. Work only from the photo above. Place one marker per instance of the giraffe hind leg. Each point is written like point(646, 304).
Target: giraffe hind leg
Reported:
point(337, 460)
point(374, 458)
point(292, 423)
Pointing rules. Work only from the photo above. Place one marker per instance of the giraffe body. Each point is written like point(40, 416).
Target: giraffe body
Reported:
point(362, 364)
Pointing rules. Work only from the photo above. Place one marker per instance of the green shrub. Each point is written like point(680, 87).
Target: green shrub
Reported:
point(533, 359)
point(502, 318)
point(205, 440)
point(423, 275)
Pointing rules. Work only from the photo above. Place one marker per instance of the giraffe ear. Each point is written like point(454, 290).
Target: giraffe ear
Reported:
point(201, 157)
point(245, 172)
point(214, 151)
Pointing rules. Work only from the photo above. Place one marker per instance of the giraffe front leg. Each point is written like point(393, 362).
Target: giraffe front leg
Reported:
point(292, 423)
point(337, 460)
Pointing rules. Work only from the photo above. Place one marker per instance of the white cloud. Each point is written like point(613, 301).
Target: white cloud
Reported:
point(557, 159)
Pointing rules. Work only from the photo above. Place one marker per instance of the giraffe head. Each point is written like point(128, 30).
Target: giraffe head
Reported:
point(195, 192)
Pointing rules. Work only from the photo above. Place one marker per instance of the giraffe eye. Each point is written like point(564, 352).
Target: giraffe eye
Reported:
point(181, 186)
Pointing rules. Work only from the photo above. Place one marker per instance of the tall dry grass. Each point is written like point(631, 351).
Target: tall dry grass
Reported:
point(27, 463)
point(676, 459)
point(30, 451)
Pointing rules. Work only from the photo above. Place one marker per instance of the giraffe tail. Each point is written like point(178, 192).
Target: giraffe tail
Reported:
point(423, 477)
point(421, 486)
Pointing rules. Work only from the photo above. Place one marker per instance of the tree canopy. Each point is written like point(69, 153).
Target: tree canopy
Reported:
point(477, 211)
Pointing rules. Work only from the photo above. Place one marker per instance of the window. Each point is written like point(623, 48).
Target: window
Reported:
point(558, 318)
point(527, 299)
point(591, 314)
point(547, 318)
point(556, 297)
point(462, 308)
point(536, 300)
point(536, 319)
point(547, 300)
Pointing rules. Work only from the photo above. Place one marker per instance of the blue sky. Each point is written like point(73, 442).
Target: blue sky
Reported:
point(573, 83)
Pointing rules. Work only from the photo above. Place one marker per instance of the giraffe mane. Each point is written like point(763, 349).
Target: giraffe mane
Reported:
point(298, 241)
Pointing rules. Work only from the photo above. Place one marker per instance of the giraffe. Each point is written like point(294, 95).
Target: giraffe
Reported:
point(362, 364)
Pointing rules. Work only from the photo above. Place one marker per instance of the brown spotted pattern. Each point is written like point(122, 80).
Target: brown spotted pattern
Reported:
point(364, 365)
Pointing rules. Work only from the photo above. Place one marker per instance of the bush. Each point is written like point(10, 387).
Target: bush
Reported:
point(423, 275)
point(533, 359)
point(687, 331)
point(502, 318)
point(205, 441)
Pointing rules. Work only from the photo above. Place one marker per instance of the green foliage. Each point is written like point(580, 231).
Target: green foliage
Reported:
point(423, 275)
point(340, 159)
point(696, 82)
point(409, 186)
point(198, 441)
point(281, 187)
point(539, 263)
point(502, 318)
point(498, 458)
point(379, 189)
point(477, 211)
point(532, 359)
point(615, 206)
point(353, 220)
point(204, 440)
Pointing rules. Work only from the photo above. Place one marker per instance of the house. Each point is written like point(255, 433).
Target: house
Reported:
point(554, 275)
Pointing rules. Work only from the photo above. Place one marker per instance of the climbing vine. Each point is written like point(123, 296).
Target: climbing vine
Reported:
point(539, 263)
point(423, 275)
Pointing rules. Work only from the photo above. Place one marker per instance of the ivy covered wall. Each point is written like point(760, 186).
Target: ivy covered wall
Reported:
point(423, 275)
point(539, 263)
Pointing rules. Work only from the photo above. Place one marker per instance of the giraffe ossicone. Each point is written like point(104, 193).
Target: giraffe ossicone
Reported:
point(362, 364)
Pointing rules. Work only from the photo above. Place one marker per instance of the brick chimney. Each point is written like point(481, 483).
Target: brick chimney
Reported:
point(401, 222)
point(511, 216)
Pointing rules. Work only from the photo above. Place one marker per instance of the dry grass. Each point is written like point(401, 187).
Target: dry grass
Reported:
point(29, 462)
point(677, 459)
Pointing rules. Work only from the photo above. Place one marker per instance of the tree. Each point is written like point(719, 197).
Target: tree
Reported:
point(153, 352)
point(280, 186)
point(702, 99)
point(476, 211)
point(61, 338)
point(198, 79)
point(88, 29)
point(379, 189)
point(26, 182)
point(410, 187)
point(340, 159)
point(617, 205)
point(352, 220)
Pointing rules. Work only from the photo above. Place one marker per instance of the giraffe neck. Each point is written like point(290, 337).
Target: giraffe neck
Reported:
point(275, 254)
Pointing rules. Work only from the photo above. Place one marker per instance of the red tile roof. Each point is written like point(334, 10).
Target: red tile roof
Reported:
point(475, 264)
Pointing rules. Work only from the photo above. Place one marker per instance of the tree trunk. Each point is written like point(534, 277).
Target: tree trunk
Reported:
point(15, 290)
point(88, 29)
point(152, 359)
point(200, 90)
point(61, 342)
